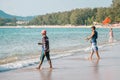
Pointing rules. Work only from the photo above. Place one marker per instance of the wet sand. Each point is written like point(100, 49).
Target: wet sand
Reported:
point(75, 67)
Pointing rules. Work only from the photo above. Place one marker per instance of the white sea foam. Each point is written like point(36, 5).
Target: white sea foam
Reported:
point(25, 63)
point(18, 64)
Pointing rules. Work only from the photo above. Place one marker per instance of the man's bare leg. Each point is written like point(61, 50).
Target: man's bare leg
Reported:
point(50, 63)
point(97, 54)
point(39, 67)
point(91, 54)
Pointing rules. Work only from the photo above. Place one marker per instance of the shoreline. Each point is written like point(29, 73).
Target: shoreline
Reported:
point(74, 67)
point(15, 64)
point(58, 26)
point(58, 52)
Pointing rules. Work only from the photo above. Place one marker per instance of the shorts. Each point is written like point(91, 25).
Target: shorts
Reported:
point(110, 39)
point(43, 56)
point(94, 47)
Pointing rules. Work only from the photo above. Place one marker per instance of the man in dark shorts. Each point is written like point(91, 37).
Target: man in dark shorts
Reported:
point(45, 49)
point(94, 47)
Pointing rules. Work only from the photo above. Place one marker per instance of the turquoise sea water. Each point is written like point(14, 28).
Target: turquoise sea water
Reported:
point(21, 43)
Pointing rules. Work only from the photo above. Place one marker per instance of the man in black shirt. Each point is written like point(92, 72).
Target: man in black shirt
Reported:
point(45, 49)
point(94, 46)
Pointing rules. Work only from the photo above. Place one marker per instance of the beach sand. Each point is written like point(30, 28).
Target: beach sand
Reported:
point(60, 26)
point(74, 67)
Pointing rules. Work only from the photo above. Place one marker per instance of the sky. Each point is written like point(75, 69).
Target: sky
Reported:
point(41, 7)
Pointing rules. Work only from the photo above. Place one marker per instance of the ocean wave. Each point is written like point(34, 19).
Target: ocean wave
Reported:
point(30, 62)
point(26, 63)
point(18, 64)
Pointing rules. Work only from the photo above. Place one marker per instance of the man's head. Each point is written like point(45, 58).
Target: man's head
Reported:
point(43, 32)
point(93, 27)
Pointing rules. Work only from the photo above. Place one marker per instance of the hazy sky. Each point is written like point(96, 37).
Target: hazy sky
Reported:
point(39, 7)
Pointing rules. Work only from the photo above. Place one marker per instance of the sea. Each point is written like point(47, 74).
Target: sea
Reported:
point(19, 46)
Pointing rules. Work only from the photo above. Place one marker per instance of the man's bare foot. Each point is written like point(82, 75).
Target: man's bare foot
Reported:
point(51, 67)
point(90, 58)
point(37, 68)
point(98, 58)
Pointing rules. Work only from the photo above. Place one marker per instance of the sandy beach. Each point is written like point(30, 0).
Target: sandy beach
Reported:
point(74, 67)
point(60, 26)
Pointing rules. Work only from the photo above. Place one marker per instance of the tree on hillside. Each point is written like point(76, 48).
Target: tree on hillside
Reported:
point(85, 16)
point(2, 21)
point(101, 14)
point(116, 10)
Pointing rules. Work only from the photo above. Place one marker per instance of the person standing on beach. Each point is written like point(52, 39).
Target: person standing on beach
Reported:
point(93, 41)
point(111, 35)
point(45, 49)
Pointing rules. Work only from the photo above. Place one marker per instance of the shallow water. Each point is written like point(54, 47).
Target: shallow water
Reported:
point(21, 43)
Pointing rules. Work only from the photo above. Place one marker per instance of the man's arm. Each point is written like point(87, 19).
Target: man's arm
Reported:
point(90, 36)
point(40, 43)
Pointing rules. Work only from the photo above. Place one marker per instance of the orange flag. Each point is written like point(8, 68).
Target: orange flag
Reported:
point(107, 20)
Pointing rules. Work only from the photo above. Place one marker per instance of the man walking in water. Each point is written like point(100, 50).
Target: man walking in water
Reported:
point(45, 49)
point(94, 47)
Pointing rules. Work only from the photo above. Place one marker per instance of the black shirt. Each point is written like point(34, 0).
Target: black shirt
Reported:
point(45, 41)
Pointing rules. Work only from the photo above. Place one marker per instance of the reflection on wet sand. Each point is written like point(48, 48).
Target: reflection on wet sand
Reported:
point(46, 74)
point(95, 64)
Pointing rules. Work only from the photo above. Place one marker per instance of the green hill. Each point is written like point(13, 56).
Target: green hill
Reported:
point(8, 16)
